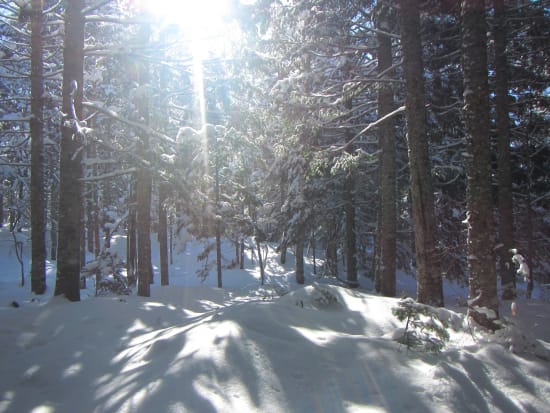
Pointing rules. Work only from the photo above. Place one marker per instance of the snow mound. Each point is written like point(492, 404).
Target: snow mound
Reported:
point(316, 296)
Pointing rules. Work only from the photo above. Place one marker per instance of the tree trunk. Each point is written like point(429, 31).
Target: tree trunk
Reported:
point(53, 209)
point(217, 218)
point(429, 282)
point(131, 239)
point(260, 261)
point(241, 266)
point(351, 248)
point(144, 181)
point(505, 202)
point(388, 214)
point(331, 254)
point(284, 236)
point(300, 235)
point(483, 300)
point(70, 170)
point(91, 205)
point(163, 234)
point(143, 190)
point(37, 193)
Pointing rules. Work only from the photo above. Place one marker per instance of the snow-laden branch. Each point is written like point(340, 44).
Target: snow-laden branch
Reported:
point(367, 128)
point(99, 107)
point(109, 175)
point(94, 6)
point(54, 7)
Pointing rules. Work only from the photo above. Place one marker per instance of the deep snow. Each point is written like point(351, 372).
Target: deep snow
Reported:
point(192, 347)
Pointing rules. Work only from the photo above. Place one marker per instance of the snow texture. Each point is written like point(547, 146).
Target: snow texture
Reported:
point(191, 347)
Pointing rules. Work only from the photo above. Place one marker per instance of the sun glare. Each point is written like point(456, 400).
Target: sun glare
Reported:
point(205, 23)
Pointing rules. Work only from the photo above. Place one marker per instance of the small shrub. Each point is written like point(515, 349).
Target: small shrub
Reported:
point(424, 329)
point(108, 270)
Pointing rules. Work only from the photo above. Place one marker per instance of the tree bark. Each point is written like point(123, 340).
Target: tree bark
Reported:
point(70, 170)
point(217, 218)
point(429, 281)
point(37, 193)
point(351, 246)
point(144, 181)
point(300, 236)
point(131, 238)
point(163, 234)
point(505, 202)
point(483, 300)
point(388, 214)
point(144, 266)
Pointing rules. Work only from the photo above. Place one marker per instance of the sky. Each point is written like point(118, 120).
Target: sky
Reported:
point(192, 347)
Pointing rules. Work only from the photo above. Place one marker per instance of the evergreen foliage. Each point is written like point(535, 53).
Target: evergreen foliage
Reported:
point(424, 329)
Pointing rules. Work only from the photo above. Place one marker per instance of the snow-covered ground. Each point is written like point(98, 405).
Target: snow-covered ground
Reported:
point(191, 347)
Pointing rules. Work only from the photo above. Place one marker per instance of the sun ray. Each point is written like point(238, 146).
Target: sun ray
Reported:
point(198, 86)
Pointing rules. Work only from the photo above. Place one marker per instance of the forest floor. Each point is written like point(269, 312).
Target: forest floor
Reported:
point(192, 347)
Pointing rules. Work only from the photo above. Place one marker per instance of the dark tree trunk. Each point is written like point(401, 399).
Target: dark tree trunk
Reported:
point(483, 300)
point(143, 190)
point(388, 209)
point(331, 254)
point(91, 206)
point(37, 193)
point(314, 251)
point(529, 218)
point(131, 239)
point(351, 248)
point(163, 234)
point(300, 237)
point(505, 202)
point(260, 261)
point(530, 246)
point(284, 236)
point(218, 222)
point(83, 243)
point(70, 170)
point(53, 209)
point(349, 211)
point(242, 254)
point(429, 282)
point(144, 182)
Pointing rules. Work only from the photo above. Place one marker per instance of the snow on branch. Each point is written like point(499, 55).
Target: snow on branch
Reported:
point(108, 175)
point(99, 107)
point(367, 128)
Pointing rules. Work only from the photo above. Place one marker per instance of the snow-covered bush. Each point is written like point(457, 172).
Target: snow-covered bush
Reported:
point(108, 270)
point(424, 329)
point(322, 296)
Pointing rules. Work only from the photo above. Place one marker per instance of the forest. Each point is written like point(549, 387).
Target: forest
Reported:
point(274, 206)
point(385, 135)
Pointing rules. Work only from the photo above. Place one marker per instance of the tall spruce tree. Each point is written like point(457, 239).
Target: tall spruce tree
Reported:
point(70, 168)
point(483, 300)
point(37, 193)
point(429, 283)
point(502, 109)
point(386, 271)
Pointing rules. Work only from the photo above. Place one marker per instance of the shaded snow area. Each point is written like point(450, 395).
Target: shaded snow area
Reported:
point(191, 347)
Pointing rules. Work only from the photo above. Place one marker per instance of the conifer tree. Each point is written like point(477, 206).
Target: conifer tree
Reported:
point(70, 169)
point(37, 193)
point(429, 283)
point(483, 300)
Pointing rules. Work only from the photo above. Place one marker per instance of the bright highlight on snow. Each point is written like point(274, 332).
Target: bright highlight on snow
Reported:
point(277, 348)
